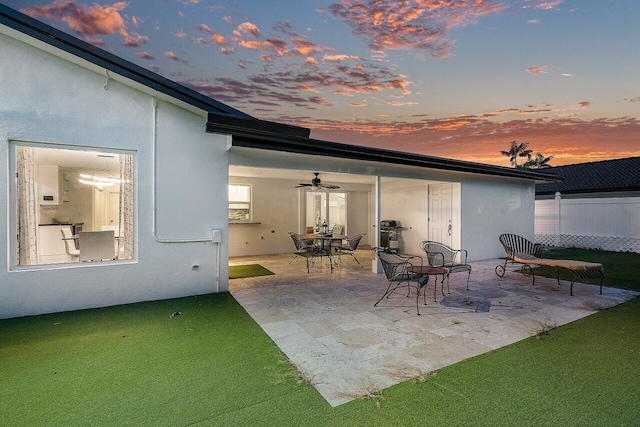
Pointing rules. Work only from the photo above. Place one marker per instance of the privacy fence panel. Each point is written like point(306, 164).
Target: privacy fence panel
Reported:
point(611, 224)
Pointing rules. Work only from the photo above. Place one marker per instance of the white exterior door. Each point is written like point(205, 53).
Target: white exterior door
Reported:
point(440, 225)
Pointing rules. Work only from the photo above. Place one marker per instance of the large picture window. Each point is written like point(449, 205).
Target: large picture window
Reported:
point(72, 205)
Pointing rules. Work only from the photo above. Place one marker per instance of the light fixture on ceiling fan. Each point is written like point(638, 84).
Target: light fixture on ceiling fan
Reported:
point(317, 183)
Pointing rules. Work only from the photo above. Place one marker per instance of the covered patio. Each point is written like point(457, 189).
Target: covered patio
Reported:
point(346, 348)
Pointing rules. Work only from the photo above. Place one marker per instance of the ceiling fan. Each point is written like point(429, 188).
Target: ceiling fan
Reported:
point(317, 183)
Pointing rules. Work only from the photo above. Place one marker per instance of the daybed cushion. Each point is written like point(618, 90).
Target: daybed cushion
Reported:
point(569, 264)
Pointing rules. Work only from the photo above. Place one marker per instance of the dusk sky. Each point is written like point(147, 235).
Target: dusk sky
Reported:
point(450, 78)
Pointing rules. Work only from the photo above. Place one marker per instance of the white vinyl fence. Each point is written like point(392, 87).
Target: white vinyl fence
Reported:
point(611, 224)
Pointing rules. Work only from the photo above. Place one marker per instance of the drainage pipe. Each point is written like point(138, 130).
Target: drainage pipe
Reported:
point(209, 239)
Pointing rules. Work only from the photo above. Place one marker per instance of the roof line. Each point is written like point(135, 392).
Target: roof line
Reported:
point(266, 139)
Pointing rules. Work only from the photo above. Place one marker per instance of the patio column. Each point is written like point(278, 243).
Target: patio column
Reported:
point(376, 267)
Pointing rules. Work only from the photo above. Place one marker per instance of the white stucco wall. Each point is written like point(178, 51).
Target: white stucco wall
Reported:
point(490, 207)
point(48, 99)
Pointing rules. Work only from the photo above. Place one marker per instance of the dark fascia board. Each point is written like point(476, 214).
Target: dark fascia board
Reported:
point(237, 126)
point(266, 139)
point(61, 40)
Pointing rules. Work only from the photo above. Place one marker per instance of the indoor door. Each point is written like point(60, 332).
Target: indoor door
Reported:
point(440, 225)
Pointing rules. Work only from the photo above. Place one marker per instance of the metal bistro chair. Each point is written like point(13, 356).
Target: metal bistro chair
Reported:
point(396, 268)
point(309, 250)
point(441, 255)
point(349, 247)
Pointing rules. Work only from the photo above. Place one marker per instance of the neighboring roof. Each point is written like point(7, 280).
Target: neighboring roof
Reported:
point(247, 131)
point(595, 177)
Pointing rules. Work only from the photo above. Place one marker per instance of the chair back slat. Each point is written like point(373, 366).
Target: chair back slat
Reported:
point(514, 244)
point(392, 263)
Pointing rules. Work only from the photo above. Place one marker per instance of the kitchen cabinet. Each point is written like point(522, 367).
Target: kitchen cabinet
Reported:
point(50, 184)
point(50, 241)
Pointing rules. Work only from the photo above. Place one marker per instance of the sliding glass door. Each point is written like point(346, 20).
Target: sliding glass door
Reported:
point(326, 206)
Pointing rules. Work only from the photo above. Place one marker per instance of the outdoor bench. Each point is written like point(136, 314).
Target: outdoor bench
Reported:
point(521, 251)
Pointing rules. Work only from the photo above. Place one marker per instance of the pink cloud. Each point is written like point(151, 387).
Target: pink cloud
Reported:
point(542, 4)
point(89, 21)
point(174, 57)
point(422, 25)
point(214, 36)
point(538, 69)
point(249, 28)
point(145, 55)
point(181, 35)
point(340, 57)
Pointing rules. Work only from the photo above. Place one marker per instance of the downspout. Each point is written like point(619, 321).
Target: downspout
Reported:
point(215, 234)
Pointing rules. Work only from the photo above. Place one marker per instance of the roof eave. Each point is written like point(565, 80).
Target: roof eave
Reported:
point(258, 135)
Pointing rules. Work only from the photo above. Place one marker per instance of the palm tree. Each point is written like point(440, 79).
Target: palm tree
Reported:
point(538, 162)
point(517, 150)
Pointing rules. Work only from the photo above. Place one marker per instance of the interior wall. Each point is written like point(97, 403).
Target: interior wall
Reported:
point(359, 216)
point(406, 201)
point(277, 206)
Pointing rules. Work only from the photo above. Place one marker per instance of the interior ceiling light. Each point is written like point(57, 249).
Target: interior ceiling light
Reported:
point(98, 181)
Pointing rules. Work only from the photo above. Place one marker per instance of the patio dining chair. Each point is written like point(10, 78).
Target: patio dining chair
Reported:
point(302, 247)
point(307, 249)
point(349, 246)
point(441, 255)
point(397, 270)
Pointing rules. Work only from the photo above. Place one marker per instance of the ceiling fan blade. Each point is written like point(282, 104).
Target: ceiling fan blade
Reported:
point(317, 183)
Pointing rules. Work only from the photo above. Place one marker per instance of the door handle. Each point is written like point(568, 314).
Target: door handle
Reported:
point(449, 230)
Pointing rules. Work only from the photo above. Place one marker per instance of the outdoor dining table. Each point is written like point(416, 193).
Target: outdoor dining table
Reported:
point(427, 270)
point(325, 239)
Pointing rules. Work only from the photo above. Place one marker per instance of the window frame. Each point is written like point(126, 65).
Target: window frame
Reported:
point(13, 207)
point(249, 203)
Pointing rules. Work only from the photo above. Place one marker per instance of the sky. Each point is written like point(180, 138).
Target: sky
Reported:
point(457, 79)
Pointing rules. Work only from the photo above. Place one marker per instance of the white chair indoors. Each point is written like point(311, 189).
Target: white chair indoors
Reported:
point(69, 243)
point(97, 245)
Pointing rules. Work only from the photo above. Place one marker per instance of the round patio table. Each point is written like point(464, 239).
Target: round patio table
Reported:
point(427, 270)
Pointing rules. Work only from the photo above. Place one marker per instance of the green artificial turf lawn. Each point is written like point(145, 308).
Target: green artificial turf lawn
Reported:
point(212, 365)
point(249, 270)
point(621, 269)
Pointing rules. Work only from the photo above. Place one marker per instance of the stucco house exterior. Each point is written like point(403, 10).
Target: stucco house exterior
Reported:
point(91, 142)
point(596, 206)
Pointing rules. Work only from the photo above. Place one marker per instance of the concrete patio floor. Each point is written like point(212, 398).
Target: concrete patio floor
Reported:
point(345, 347)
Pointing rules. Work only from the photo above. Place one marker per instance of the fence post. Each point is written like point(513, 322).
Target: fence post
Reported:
point(559, 203)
